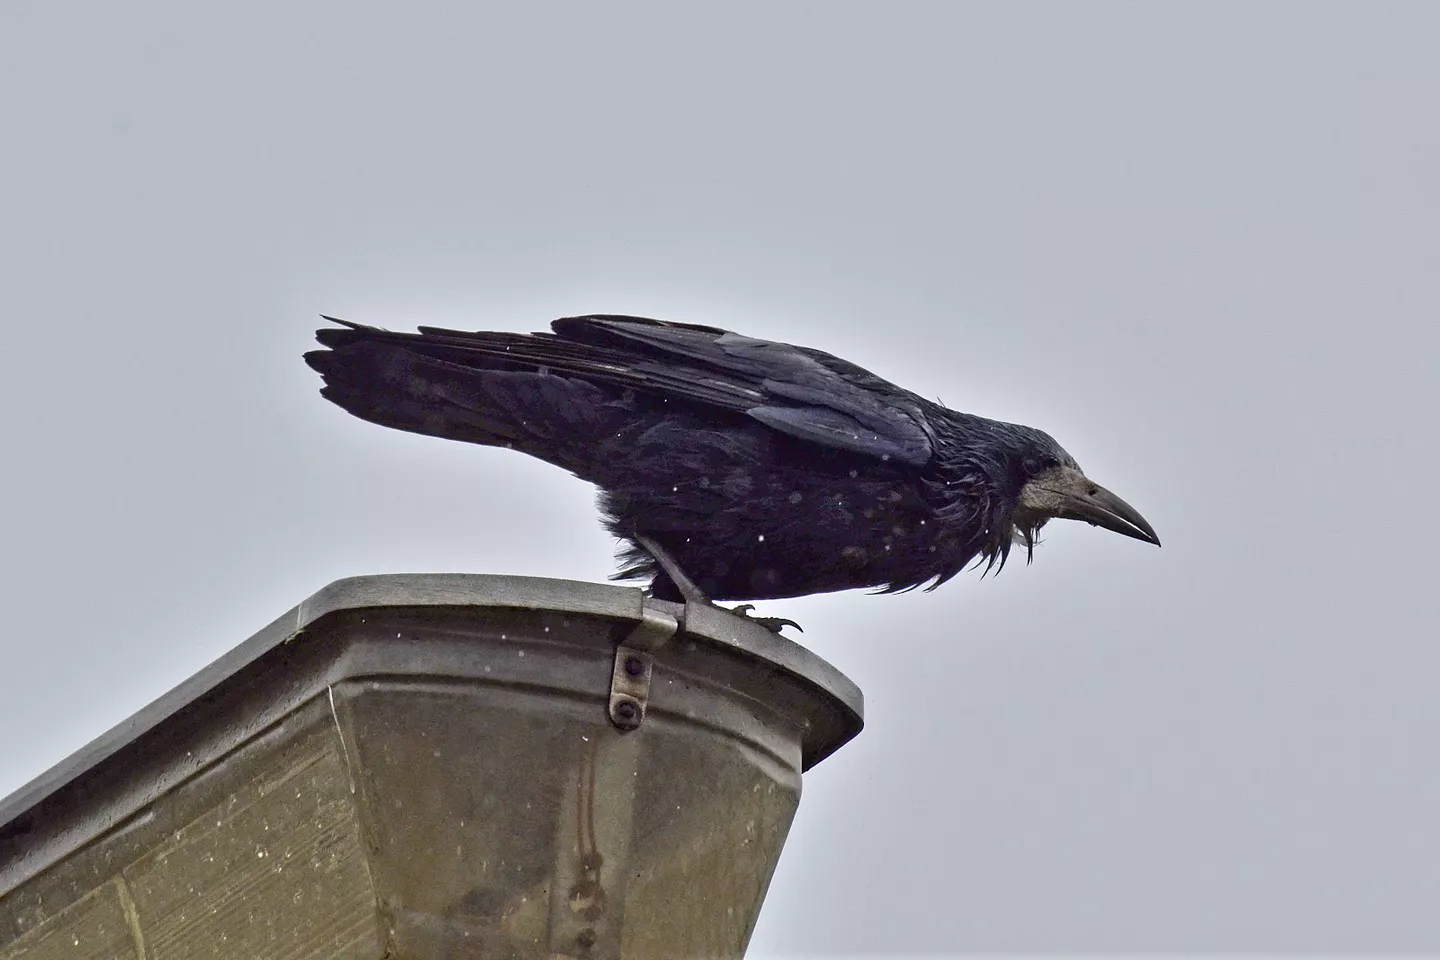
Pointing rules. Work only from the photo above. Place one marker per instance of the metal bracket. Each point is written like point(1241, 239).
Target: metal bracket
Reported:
point(634, 663)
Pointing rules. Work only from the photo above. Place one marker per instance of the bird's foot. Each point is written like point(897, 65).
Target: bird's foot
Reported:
point(693, 594)
point(773, 624)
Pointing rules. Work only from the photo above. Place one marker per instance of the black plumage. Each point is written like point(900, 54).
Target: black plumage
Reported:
point(759, 469)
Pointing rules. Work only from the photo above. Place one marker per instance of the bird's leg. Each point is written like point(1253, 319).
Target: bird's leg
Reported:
point(667, 563)
point(693, 594)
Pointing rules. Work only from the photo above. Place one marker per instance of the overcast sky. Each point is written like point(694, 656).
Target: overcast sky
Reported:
point(1199, 244)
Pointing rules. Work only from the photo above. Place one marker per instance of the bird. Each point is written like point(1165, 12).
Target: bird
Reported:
point(730, 467)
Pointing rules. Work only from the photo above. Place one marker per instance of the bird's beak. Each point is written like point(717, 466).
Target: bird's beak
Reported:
point(1066, 493)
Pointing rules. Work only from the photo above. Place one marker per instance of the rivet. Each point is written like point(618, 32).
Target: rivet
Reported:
point(627, 711)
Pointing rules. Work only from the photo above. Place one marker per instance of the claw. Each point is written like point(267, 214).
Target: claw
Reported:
point(773, 624)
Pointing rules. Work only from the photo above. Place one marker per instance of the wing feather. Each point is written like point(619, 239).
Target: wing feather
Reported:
point(832, 402)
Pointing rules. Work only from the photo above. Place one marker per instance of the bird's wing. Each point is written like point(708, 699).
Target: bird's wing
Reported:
point(798, 391)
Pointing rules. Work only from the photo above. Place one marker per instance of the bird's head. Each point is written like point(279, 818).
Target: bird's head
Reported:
point(1051, 485)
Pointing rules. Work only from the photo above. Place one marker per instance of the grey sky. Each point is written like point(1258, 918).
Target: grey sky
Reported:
point(1196, 243)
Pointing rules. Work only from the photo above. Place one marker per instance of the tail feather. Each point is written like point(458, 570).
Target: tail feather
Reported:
point(418, 383)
